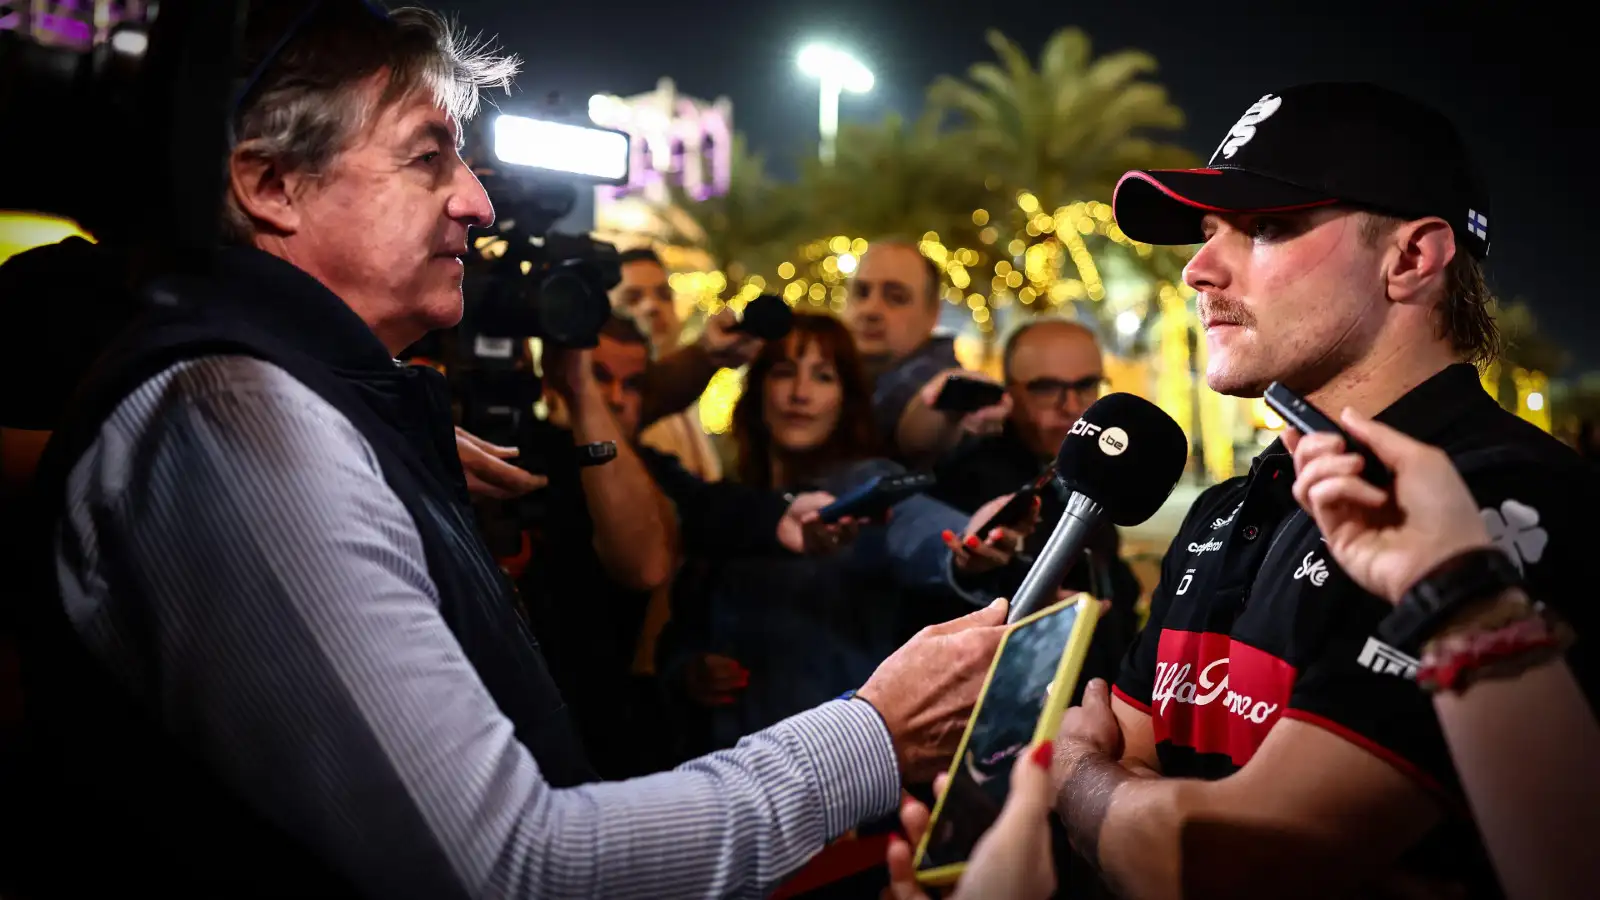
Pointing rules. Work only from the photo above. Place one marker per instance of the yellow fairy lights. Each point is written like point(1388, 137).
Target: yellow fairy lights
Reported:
point(716, 404)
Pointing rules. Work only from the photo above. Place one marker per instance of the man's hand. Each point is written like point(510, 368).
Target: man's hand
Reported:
point(973, 554)
point(726, 347)
point(712, 680)
point(1013, 859)
point(488, 475)
point(1385, 541)
point(926, 690)
point(567, 371)
point(1091, 727)
point(802, 531)
point(989, 420)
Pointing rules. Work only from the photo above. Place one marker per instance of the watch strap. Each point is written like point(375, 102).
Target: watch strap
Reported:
point(1451, 586)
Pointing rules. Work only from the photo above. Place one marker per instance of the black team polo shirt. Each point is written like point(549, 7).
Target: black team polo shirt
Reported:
point(1253, 621)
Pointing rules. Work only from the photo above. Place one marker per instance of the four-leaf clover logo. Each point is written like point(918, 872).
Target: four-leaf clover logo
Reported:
point(1514, 528)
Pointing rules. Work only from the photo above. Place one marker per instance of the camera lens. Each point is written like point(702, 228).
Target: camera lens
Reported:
point(571, 308)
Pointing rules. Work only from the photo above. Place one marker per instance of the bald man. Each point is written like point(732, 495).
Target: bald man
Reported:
point(1054, 371)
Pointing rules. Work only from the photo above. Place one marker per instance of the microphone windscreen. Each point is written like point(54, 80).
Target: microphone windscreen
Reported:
point(1125, 454)
point(767, 317)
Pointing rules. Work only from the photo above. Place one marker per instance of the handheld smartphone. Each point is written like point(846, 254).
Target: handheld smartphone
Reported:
point(874, 498)
point(1019, 506)
point(963, 395)
point(1033, 676)
point(1307, 419)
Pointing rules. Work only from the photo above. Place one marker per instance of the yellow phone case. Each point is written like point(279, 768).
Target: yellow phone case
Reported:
point(1066, 681)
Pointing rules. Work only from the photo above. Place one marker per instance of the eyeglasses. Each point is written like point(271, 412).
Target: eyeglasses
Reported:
point(1054, 390)
point(251, 81)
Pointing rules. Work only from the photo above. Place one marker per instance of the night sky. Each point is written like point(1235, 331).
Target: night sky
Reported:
point(1515, 78)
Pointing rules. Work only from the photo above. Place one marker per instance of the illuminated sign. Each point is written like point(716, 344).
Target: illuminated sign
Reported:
point(69, 23)
point(676, 140)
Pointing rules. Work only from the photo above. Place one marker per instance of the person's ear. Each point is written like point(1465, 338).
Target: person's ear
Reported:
point(1417, 255)
point(263, 190)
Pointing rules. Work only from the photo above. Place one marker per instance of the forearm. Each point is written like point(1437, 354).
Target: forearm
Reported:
point(1525, 749)
point(732, 824)
point(675, 381)
point(635, 531)
point(1128, 825)
point(917, 557)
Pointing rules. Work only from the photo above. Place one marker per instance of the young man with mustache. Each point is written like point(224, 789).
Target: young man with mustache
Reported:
point(1262, 738)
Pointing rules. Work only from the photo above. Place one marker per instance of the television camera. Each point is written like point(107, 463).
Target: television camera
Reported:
point(526, 281)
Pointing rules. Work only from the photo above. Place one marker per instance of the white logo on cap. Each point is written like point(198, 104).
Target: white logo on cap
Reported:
point(1245, 129)
point(1113, 441)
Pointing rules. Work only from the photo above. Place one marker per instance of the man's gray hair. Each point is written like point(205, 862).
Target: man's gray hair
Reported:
point(308, 104)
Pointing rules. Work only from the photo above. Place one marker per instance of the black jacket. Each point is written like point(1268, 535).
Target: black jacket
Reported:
point(101, 760)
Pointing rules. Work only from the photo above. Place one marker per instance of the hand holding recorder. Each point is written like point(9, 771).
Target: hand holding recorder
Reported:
point(1384, 539)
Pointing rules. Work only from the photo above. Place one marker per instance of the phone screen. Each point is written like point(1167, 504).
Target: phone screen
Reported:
point(1002, 728)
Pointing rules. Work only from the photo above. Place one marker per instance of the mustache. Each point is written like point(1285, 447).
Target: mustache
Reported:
point(1220, 309)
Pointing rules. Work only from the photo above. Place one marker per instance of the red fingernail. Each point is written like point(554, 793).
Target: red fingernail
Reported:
point(972, 542)
point(1043, 753)
point(948, 535)
point(896, 840)
point(996, 534)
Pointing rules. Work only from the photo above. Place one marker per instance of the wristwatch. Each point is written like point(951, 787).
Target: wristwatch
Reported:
point(1451, 586)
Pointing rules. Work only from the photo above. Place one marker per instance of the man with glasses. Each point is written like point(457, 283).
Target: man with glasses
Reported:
point(1053, 371)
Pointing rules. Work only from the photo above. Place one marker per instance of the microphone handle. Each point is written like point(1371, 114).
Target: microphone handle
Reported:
point(1038, 589)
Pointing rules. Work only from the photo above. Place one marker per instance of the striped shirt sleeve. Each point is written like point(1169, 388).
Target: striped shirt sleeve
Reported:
point(232, 553)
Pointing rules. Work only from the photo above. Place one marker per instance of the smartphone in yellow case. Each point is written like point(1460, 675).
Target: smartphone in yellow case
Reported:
point(1034, 674)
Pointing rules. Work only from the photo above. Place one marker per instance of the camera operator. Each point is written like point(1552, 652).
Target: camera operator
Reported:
point(644, 295)
point(266, 649)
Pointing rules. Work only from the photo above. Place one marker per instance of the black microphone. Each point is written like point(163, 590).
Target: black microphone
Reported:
point(766, 317)
point(1120, 462)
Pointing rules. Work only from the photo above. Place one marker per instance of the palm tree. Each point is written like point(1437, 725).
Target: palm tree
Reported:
point(895, 178)
point(1056, 138)
point(1067, 130)
point(748, 229)
point(1525, 346)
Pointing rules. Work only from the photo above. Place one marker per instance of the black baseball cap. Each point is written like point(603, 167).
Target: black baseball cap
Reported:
point(1317, 145)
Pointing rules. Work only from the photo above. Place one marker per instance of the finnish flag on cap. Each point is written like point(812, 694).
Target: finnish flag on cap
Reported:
point(1478, 224)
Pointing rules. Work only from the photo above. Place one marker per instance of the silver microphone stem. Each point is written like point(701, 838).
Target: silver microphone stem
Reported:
point(1038, 588)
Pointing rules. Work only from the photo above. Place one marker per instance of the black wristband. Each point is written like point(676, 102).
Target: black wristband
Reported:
point(1454, 584)
point(596, 454)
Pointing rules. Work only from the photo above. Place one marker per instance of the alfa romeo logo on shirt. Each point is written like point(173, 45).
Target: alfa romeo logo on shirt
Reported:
point(1514, 528)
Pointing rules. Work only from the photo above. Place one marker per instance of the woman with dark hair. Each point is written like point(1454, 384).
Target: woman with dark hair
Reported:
point(806, 409)
point(756, 641)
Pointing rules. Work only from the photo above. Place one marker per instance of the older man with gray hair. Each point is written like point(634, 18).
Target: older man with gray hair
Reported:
point(267, 653)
